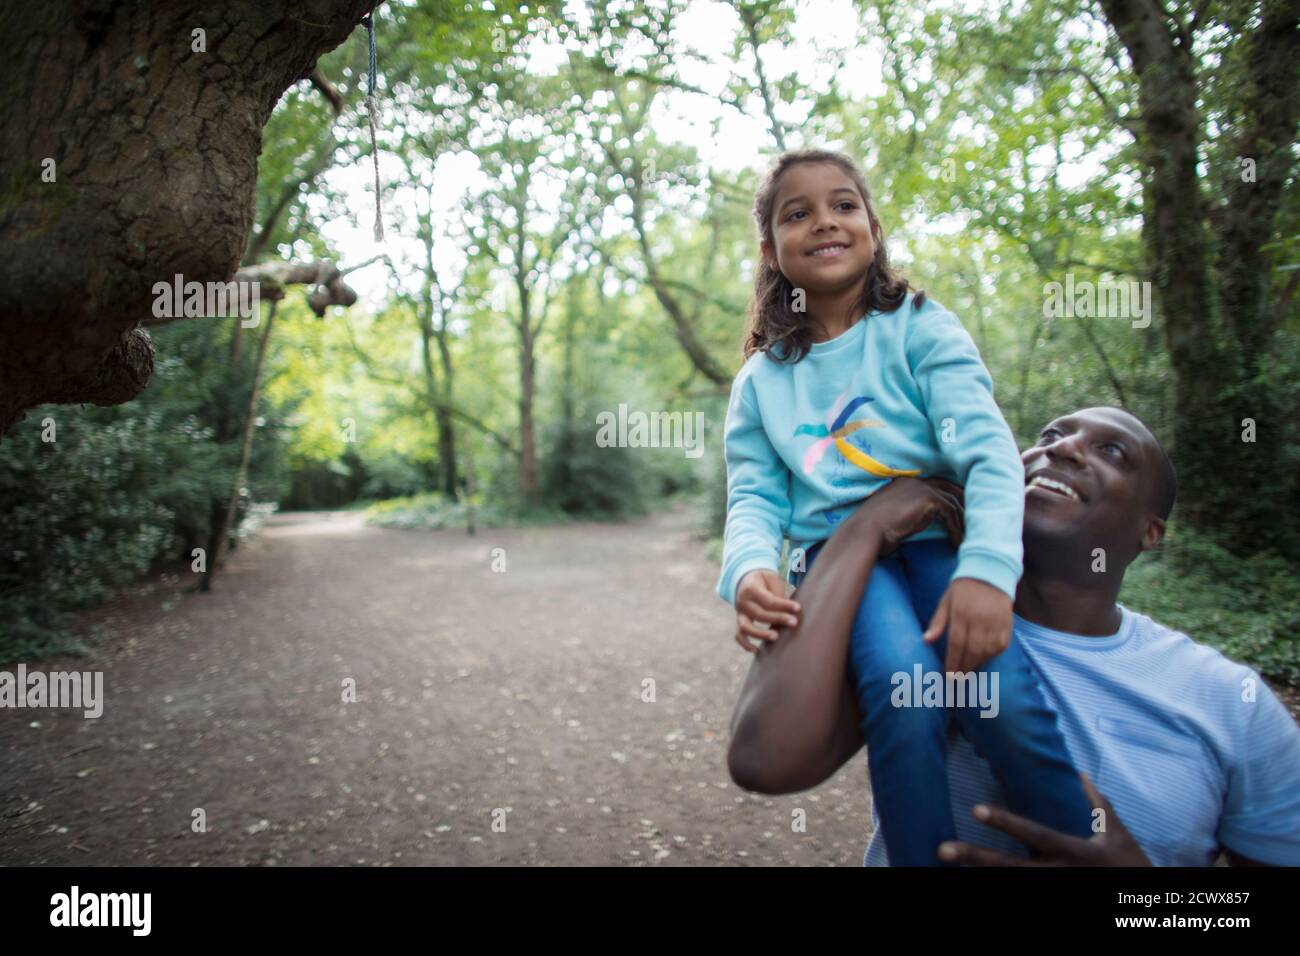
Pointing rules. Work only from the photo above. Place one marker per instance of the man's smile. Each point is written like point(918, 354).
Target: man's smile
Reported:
point(1057, 485)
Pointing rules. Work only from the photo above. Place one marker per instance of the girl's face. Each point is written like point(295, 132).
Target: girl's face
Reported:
point(821, 229)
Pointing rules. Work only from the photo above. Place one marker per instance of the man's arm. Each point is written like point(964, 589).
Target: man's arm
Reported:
point(796, 720)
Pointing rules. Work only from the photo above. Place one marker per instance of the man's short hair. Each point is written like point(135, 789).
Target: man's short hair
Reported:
point(1166, 490)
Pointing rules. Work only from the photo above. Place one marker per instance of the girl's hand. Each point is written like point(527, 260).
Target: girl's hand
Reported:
point(760, 599)
point(978, 620)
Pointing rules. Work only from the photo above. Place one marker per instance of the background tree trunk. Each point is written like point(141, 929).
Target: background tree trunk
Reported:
point(529, 484)
point(448, 469)
point(439, 394)
point(221, 528)
point(1218, 327)
point(155, 151)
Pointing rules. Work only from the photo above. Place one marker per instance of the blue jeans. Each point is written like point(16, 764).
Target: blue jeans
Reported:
point(907, 744)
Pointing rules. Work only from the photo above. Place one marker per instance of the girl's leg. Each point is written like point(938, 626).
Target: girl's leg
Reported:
point(1022, 743)
point(1025, 749)
point(906, 745)
point(795, 578)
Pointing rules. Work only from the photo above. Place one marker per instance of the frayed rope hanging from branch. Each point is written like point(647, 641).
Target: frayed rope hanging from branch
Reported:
point(369, 23)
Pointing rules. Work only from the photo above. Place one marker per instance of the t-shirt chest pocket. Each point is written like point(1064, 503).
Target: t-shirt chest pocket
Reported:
point(1169, 780)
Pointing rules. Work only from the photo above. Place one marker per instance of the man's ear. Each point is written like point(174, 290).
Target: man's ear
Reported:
point(1153, 534)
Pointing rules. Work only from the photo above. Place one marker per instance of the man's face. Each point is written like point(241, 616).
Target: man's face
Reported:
point(1091, 478)
point(821, 229)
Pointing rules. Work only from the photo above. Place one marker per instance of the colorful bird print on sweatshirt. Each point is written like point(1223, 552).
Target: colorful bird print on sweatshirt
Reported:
point(838, 431)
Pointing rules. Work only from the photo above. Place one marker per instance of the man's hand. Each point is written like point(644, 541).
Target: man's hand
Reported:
point(977, 617)
point(1114, 846)
point(760, 599)
point(908, 505)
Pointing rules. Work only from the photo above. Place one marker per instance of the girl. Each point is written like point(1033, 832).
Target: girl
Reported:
point(851, 380)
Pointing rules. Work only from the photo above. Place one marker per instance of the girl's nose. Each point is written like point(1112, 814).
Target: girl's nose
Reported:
point(824, 223)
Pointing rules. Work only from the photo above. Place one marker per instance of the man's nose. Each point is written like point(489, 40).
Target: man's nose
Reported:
point(1068, 448)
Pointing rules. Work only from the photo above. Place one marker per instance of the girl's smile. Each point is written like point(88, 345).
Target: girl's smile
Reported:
point(822, 263)
point(829, 250)
point(823, 241)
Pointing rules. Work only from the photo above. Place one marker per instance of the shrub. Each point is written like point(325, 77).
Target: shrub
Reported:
point(1248, 608)
point(86, 513)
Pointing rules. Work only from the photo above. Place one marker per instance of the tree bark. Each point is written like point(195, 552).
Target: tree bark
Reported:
point(449, 471)
point(529, 485)
point(441, 412)
point(687, 335)
point(439, 395)
point(749, 17)
point(1271, 105)
point(1217, 341)
point(154, 148)
point(226, 515)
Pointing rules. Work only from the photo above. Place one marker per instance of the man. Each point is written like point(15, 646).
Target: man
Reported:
point(1193, 752)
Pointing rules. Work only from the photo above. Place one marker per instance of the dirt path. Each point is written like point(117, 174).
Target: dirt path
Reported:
point(476, 691)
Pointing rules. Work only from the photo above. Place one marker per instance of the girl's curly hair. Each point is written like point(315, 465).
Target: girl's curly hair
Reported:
point(772, 321)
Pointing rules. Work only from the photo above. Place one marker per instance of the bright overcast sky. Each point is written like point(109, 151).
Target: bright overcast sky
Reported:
point(706, 26)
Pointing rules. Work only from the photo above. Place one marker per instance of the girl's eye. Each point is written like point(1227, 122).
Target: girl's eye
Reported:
point(849, 203)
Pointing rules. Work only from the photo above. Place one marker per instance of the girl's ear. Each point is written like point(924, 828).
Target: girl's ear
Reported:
point(877, 232)
point(765, 251)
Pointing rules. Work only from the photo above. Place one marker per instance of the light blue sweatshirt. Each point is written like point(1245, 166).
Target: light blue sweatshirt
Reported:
point(902, 391)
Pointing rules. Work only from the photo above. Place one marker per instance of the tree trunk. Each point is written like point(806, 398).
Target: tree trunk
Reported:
point(687, 334)
point(441, 409)
point(450, 472)
point(1226, 484)
point(569, 374)
point(559, 467)
point(154, 148)
point(529, 485)
point(221, 529)
point(439, 396)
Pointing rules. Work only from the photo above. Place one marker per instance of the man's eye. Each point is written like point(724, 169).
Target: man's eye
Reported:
point(1050, 435)
point(1113, 449)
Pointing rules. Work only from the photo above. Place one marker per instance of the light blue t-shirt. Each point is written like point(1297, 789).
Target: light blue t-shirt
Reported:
point(900, 392)
point(1193, 750)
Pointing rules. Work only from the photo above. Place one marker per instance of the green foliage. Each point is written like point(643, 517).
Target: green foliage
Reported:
point(435, 512)
point(582, 478)
point(117, 489)
point(316, 485)
point(93, 524)
point(1247, 608)
point(394, 476)
point(110, 495)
